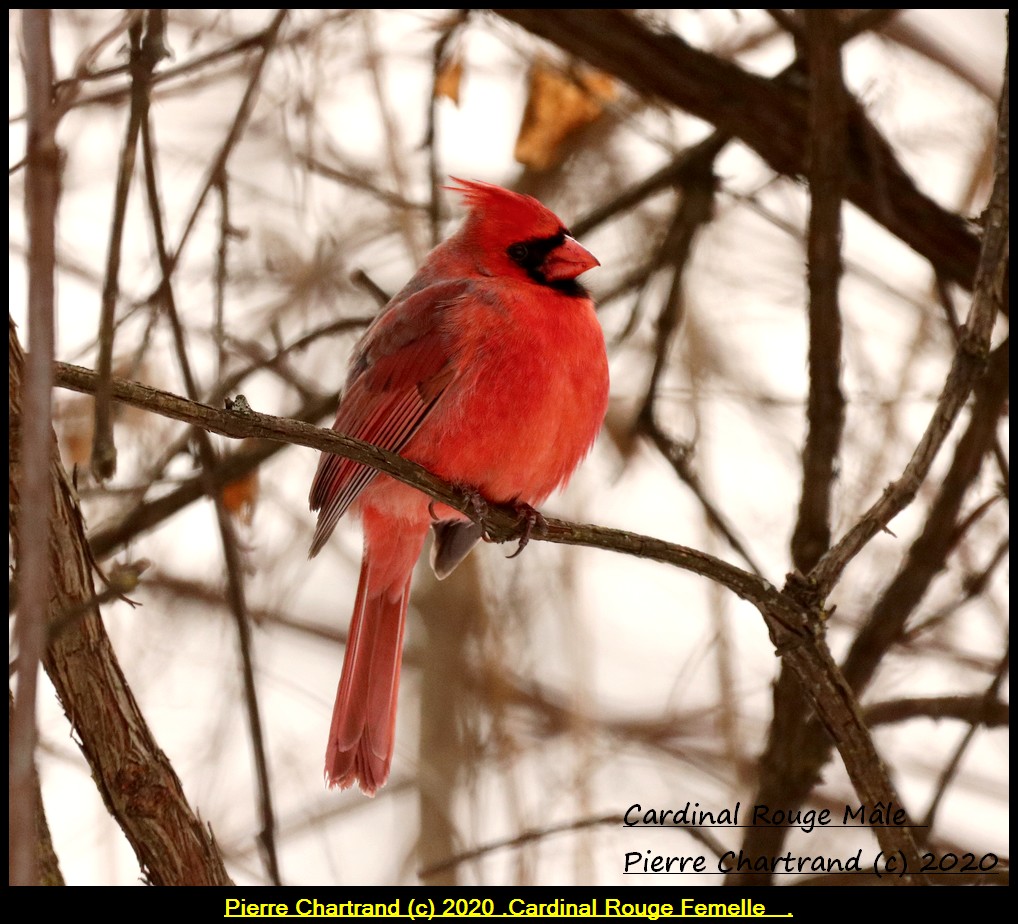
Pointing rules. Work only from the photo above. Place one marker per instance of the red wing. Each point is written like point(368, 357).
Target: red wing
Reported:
point(399, 371)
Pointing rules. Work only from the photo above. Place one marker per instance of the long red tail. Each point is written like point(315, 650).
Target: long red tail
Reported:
point(364, 718)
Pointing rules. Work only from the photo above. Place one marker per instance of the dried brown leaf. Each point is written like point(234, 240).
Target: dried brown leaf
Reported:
point(558, 106)
point(449, 79)
point(240, 497)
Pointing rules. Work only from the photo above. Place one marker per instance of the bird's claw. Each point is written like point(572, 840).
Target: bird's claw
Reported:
point(528, 519)
point(479, 508)
point(532, 520)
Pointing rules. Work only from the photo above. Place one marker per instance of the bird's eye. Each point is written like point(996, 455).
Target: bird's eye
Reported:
point(518, 252)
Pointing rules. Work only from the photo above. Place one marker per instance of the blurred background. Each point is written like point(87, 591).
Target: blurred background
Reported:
point(298, 158)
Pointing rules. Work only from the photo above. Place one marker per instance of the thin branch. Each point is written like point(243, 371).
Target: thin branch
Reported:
point(187, 70)
point(949, 771)
point(973, 585)
point(826, 405)
point(267, 40)
point(123, 579)
point(438, 62)
point(946, 298)
point(502, 524)
point(678, 455)
point(231, 552)
point(520, 840)
point(360, 181)
point(218, 393)
point(975, 710)
point(694, 213)
point(696, 209)
point(144, 56)
point(225, 232)
point(941, 531)
point(374, 65)
point(678, 172)
point(769, 115)
point(969, 362)
point(42, 192)
point(149, 514)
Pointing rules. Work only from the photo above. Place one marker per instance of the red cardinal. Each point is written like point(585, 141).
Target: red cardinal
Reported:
point(488, 369)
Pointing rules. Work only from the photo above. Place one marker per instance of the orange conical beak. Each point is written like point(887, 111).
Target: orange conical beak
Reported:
point(567, 261)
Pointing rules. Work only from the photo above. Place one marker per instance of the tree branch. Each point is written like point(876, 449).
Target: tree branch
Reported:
point(969, 362)
point(502, 524)
point(928, 554)
point(35, 441)
point(134, 777)
point(975, 710)
point(797, 749)
point(826, 405)
point(769, 115)
point(231, 551)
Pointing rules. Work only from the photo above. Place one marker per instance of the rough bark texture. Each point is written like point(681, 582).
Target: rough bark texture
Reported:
point(136, 781)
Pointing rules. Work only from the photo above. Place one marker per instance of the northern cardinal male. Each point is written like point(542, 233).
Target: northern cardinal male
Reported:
point(488, 369)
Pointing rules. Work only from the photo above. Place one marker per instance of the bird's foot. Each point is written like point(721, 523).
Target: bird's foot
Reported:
point(530, 521)
point(479, 508)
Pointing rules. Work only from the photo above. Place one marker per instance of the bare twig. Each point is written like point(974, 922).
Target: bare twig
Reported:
point(695, 211)
point(438, 62)
point(145, 56)
point(221, 276)
point(392, 140)
point(360, 181)
point(231, 552)
point(973, 585)
point(969, 362)
point(520, 840)
point(42, 191)
point(925, 559)
point(976, 710)
point(185, 71)
point(149, 514)
point(949, 771)
point(768, 115)
point(826, 404)
point(267, 40)
point(678, 455)
point(684, 168)
point(123, 579)
point(218, 393)
point(67, 90)
point(502, 524)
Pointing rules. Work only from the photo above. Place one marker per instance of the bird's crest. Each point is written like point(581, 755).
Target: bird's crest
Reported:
point(503, 209)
